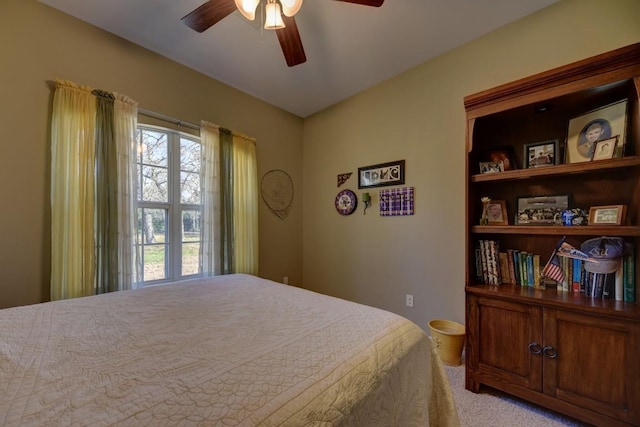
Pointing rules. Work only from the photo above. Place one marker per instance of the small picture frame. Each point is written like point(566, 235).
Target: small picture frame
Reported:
point(541, 210)
point(605, 148)
point(491, 167)
point(607, 215)
point(541, 154)
point(504, 154)
point(603, 123)
point(497, 213)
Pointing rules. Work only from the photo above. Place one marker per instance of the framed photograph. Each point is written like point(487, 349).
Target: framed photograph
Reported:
point(584, 131)
point(540, 154)
point(607, 215)
point(380, 175)
point(497, 213)
point(491, 167)
point(504, 154)
point(541, 210)
point(605, 148)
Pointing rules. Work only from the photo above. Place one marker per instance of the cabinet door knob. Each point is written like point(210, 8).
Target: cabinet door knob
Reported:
point(535, 348)
point(550, 352)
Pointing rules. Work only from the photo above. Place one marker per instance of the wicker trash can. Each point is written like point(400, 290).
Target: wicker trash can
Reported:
point(448, 337)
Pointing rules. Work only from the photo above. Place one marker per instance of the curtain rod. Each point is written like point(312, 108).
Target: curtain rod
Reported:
point(166, 118)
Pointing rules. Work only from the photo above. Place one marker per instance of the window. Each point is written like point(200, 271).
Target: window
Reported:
point(169, 233)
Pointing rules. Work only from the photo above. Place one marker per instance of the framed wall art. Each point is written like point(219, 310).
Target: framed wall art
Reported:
point(540, 154)
point(396, 201)
point(584, 131)
point(383, 174)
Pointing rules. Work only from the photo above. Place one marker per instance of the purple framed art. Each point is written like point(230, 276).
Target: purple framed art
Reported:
point(396, 201)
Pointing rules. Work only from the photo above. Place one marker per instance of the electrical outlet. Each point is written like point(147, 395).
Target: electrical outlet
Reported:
point(285, 280)
point(409, 300)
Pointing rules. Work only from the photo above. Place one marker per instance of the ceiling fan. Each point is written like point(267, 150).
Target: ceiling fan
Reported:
point(283, 23)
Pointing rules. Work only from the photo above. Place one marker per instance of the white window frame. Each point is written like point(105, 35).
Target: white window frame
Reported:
point(174, 210)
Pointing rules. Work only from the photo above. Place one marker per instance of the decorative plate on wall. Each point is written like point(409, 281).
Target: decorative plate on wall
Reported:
point(346, 202)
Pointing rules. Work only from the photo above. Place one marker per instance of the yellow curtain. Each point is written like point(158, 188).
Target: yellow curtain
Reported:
point(125, 124)
point(210, 138)
point(72, 191)
point(245, 204)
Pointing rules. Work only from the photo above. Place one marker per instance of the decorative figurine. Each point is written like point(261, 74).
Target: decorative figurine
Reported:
point(484, 219)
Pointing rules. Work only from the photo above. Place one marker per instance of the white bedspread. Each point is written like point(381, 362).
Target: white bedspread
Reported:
point(225, 351)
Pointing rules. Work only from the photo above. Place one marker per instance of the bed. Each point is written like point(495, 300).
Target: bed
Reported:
point(231, 350)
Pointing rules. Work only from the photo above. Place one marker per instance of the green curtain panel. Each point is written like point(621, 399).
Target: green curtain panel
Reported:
point(106, 225)
point(226, 202)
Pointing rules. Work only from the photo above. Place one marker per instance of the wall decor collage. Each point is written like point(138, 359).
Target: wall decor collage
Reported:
point(396, 201)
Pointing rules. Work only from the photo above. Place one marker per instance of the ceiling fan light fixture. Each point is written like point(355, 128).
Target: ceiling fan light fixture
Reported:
point(273, 16)
point(248, 8)
point(290, 7)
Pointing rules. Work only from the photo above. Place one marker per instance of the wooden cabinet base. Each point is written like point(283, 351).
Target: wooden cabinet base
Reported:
point(577, 363)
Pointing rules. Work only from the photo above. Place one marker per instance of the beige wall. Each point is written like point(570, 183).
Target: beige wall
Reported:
point(419, 116)
point(39, 44)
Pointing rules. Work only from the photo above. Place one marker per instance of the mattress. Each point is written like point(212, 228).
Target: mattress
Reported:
point(231, 350)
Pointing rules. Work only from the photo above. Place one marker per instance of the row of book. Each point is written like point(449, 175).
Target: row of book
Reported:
point(495, 266)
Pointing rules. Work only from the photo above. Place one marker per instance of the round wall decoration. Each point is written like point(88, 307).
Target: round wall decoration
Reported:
point(346, 202)
point(277, 192)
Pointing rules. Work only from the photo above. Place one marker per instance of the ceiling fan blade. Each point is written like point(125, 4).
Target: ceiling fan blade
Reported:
point(290, 42)
point(374, 3)
point(209, 13)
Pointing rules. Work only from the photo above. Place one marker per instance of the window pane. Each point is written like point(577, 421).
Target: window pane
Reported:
point(154, 148)
point(190, 188)
point(153, 223)
point(191, 225)
point(190, 258)
point(191, 238)
point(154, 262)
point(190, 152)
point(155, 187)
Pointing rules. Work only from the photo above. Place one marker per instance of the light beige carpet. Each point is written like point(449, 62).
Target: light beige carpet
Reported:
point(496, 409)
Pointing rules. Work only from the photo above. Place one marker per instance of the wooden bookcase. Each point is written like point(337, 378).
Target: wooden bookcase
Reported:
point(563, 350)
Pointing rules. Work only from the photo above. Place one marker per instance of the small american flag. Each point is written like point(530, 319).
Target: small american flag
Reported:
point(553, 270)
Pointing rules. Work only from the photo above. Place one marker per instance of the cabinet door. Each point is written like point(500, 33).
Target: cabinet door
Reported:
point(595, 365)
point(503, 340)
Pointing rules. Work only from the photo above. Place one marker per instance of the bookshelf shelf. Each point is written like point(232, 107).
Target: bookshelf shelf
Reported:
point(546, 345)
point(558, 299)
point(559, 170)
point(542, 230)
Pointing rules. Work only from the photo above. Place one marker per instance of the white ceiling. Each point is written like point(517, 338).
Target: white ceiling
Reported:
point(349, 47)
